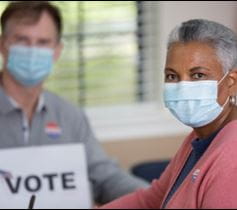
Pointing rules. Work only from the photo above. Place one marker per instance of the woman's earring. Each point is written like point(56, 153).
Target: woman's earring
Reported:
point(233, 100)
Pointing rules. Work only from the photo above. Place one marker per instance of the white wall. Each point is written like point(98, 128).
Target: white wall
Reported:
point(172, 13)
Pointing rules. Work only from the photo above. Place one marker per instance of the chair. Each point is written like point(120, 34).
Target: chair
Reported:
point(149, 170)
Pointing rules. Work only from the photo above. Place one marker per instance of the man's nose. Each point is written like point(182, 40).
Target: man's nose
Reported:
point(32, 42)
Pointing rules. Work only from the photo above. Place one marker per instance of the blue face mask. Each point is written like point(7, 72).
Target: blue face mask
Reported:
point(30, 65)
point(193, 103)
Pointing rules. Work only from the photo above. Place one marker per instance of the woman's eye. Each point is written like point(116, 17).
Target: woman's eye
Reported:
point(171, 77)
point(199, 76)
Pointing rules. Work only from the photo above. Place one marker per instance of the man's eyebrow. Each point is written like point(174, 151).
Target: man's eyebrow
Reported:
point(44, 40)
point(20, 36)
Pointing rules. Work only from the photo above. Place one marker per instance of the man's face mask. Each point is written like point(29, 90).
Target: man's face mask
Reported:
point(194, 103)
point(29, 65)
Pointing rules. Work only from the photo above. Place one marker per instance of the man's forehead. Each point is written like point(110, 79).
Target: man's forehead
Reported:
point(20, 22)
point(32, 30)
point(15, 22)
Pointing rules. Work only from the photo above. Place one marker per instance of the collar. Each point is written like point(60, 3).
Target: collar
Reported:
point(201, 145)
point(8, 104)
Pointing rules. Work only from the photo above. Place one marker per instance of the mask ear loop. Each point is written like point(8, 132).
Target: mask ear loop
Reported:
point(223, 78)
point(226, 102)
point(228, 99)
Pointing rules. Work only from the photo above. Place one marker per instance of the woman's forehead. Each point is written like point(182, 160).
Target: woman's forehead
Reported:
point(193, 47)
point(192, 54)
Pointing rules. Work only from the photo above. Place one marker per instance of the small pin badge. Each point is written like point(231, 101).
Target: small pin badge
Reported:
point(195, 175)
point(53, 130)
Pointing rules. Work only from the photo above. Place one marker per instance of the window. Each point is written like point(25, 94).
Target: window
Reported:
point(103, 62)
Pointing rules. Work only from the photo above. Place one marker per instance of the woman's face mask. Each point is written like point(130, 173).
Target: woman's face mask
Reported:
point(194, 103)
point(29, 65)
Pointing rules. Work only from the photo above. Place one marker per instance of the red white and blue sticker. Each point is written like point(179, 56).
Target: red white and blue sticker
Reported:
point(53, 130)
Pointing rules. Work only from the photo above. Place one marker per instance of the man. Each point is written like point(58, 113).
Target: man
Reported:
point(30, 44)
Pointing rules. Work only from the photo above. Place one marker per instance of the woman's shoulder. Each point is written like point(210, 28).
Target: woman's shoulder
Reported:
point(228, 135)
point(225, 144)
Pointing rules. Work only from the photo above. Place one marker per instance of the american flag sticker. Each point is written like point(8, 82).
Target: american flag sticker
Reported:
point(53, 130)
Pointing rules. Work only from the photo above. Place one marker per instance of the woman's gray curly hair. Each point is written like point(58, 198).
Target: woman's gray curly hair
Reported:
point(218, 36)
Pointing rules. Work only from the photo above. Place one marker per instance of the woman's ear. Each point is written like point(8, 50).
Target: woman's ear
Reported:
point(232, 83)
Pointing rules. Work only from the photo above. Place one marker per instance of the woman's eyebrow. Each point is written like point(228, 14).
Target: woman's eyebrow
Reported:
point(194, 69)
point(170, 69)
point(198, 68)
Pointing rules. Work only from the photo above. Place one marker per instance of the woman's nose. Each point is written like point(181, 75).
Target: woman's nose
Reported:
point(185, 77)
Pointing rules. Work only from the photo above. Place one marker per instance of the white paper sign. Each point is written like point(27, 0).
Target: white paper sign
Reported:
point(57, 175)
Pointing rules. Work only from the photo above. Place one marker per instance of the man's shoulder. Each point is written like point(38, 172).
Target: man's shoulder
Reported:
point(60, 104)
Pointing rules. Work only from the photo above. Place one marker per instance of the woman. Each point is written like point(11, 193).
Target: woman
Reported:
point(200, 90)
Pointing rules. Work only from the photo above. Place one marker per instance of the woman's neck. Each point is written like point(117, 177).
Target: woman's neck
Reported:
point(227, 116)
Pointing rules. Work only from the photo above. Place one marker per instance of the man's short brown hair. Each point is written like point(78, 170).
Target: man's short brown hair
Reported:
point(31, 12)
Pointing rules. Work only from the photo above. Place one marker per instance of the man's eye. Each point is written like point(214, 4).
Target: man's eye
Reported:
point(43, 42)
point(21, 40)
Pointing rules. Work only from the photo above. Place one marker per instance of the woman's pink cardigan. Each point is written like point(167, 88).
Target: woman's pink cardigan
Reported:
point(211, 184)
